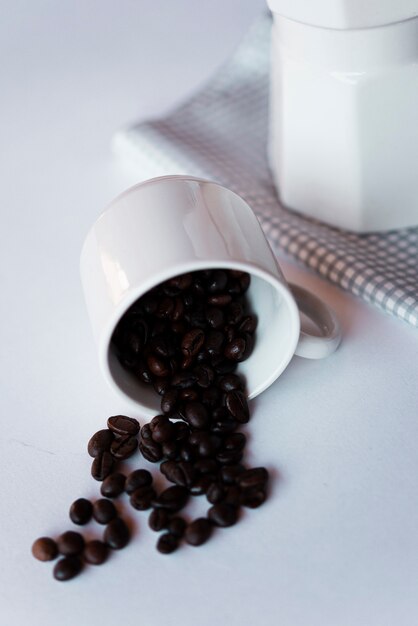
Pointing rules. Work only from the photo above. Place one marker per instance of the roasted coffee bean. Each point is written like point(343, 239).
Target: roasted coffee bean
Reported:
point(235, 442)
point(116, 534)
point(158, 519)
point(220, 299)
point(235, 349)
point(189, 395)
point(183, 380)
point(202, 357)
point(211, 396)
point(181, 473)
point(192, 342)
point(70, 543)
point(214, 342)
point(181, 431)
point(95, 552)
point(196, 334)
point(217, 281)
point(140, 327)
point(215, 493)
point(81, 511)
point(178, 310)
point(170, 450)
point(165, 308)
point(234, 287)
point(229, 457)
point(163, 346)
point(169, 401)
point(248, 324)
point(136, 479)
point(237, 405)
point(159, 327)
point(179, 327)
point(113, 485)
point(176, 526)
point(158, 366)
point(173, 499)
point(149, 302)
point(253, 498)
point(198, 531)
point(201, 485)
point(223, 366)
point(142, 498)
point(167, 543)
point(255, 477)
point(129, 360)
point(198, 286)
point(221, 413)
point(207, 443)
point(196, 436)
point(100, 442)
point(144, 374)
point(230, 473)
point(187, 453)
point(230, 332)
point(224, 427)
point(181, 283)
point(150, 450)
point(230, 382)
point(124, 447)
point(161, 385)
point(122, 425)
point(134, 342)
point(196, 414)
point(205, 376)
point(162, 429)
point(67, 568)
point(104, 511)
point(222, 514)
point(215, 317)
point(45, 549)
point(249, 344)
point(244, 280)
point(146, 432)
point(189, 299)
point(234, 313)
point(102, 466)
point(206, 466)
point(233, 495)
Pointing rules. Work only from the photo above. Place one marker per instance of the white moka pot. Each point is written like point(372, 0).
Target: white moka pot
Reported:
point(343, 144)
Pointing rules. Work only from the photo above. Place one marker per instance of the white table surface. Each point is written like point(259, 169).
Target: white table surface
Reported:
point(337, 542)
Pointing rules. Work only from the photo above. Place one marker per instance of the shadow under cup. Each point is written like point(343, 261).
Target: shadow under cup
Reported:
point(276, 337)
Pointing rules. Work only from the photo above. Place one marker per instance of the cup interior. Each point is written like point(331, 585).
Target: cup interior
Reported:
point(276, 338)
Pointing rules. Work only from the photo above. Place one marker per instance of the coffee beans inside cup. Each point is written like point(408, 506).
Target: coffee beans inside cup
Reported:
point(185, 339)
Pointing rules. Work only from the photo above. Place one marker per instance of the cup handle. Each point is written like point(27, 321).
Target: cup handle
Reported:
point(311, 346)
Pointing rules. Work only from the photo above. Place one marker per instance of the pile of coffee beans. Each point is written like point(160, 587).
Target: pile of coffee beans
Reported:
point(185, 338)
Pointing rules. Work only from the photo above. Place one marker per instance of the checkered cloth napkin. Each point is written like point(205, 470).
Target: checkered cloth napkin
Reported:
point(221, 134)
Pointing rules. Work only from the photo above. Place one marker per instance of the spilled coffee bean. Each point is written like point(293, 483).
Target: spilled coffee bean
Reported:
point(184, 339)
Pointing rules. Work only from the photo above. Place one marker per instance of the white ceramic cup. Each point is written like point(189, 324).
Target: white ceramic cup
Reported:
point(167, 226)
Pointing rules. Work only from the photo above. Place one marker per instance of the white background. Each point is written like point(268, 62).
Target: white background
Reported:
point(337, 542)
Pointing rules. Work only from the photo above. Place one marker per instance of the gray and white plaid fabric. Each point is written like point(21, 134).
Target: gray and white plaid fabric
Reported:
point(221, 134)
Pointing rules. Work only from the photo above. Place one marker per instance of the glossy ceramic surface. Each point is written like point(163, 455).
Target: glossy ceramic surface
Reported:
point(175, 224)
point(345, 13)
point(343, 143)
